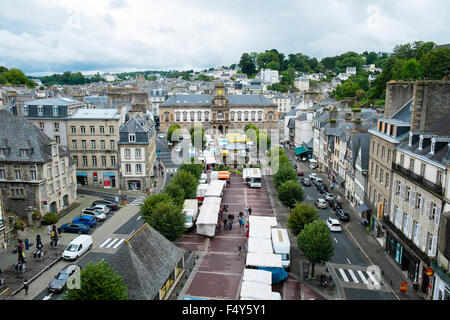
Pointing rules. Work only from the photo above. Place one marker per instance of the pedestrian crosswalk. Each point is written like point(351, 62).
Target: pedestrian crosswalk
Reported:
point(111, 243)
point(358, 277)
point(138, 201)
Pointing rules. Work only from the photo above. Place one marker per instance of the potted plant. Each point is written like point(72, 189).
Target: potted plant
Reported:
point(37, 216)
point(19, 225)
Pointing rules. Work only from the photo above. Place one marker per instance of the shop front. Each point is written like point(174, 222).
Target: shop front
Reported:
point(82, 178)
point(109, 180)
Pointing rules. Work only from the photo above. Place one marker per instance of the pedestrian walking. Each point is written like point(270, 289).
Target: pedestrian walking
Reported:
point(232, 218)
point(249, 210)
point(49, 229)
point(26, 286)
point(239, 250)
point(225, 221)
point(229, 217)
point(241, 214)
point(230, 226)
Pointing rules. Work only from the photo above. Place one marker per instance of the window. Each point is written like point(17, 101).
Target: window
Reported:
point(40, 110)
point(398, 187)
point(376, 172)
point(56, 126)
point(111, 130)
point(246, 116)
point(383, 152)
point(73, 129)
point(411, 165)
point(439, 178)
point(381, 176)
point(112, 145)
point(128, 168)
point(177, 116)
point(74, 144)
point(83, 144)
point(132, 137)
point(430, 243)
point(113, 161)
point(23, 152)
point(102, 144)
point(433, 211)
point(56, 169)
point(199, 116)
point(25, 110)
point(220, 115)
point(408, 194)
point(206, 116)
point(389, 155)
point(63, 166)
point(138, 168)
point(127, 153)
point(64, 182)
point(55, 111)
point(103, 161)
point(373, 147)
point(166, 116)
point(93, 146)
point(371, 168)
point(102, 130)
point(58, 185)
point(138, 153)
point(402, 160)
point(387, 180)
point(192, 116)
point(17, 174)
point(378, 148)
point(41, 126)
point(185, 116)
point(260, 116)
point(231, 116)
point(83, 130)
point(50, 188)
point(419, 201)
point(75, 158)
point(239, 116)
point(2, 174)
point(254, 115)
point(92, 129)
point(416, 232)
point(58, 139)
point(85, 161)
point(94, 161)
point(422, 169)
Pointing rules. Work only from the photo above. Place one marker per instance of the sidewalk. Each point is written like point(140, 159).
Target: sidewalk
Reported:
point(370, 248)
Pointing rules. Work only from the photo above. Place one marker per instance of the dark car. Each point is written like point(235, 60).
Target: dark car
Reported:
point(112, 205)
point(87, 220)
point(334, 205)
point(305, 181)
point(341, 215)
point(321, 189)
point(59, 283)
point(75, 228)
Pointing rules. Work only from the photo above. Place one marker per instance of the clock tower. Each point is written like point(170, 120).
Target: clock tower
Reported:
point(220, 109)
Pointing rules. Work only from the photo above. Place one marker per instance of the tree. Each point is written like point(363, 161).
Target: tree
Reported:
point(98, 282)
point(436, 64)
point(194, 168)
point(175, 128)
point(152, 202)
point(175, 192)
point(187, 182)
point(285, 173)
point(290, 193)
point(247, 64)
point(301, 215)
point(316, 243)
point(168, 219)
point(345, 90)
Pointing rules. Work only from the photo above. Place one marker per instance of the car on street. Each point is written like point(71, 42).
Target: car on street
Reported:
point(321, 186)
point(87, 220)
point(177, 148)
point(93, 213)
point(103, 208)
point(328, 196)
point(306, 181)
point(320, 203)
point(321, 189)
point(58, 284)
point(334, 225)
point(312, 176)
point(203, 178)
point(300, 172)
point(75, 228)
point(112, 205)
point(334, 205)
point(161, 136)
point(318, 180)
point(341, 215)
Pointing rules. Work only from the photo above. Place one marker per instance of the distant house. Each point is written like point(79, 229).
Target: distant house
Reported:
point(342, 76)
point(351, 71)
point(150, 264)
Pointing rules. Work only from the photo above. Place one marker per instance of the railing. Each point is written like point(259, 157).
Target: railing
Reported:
point(426, 184)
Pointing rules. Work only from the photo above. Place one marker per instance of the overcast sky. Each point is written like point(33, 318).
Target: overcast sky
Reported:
point(49, 36)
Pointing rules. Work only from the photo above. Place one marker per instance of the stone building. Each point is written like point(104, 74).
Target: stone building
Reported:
point(219, 112)
point(93, 136)
point(128, 95)
point(35, 172)
point(137, 149)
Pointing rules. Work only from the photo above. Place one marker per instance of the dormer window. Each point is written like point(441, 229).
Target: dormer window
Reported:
point(40, 110)
point(420, 142)
point(25, 110)
point(23, 153)
point(55, 111)
point(132, 137)
point(410, 139)
point(433, 144)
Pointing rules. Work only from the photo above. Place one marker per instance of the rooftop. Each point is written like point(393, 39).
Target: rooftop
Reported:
point(87, 114)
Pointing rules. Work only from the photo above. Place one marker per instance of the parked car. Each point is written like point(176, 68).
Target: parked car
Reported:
point(321, 186)
point(318, 180)
point(177, 148)
point(87, 220)
point(58, 284)
point(75, 228)
point(112, 205)
point(334, 205)
point(341, 215)
point(305, 181)
point(161, 136)
point(93, 213)
point(103, 208)
point(203, 178)
point(312, 176)
point(328, 196)
point(321, 189)
point(334, 225)
point(320, 203)
point(300, 172)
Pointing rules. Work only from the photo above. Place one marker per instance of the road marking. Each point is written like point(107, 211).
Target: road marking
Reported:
point(48, 297)
point(361, 275)
point(344, 276)
point(374, 281)
point(355, 279)
point(139, 218)
point(119, 243)
point(349, 261)
point(111, 243)
point(104, 242)
point(335, 239)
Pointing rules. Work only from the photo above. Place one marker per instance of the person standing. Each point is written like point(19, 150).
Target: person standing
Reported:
point(239, 250)
point(249, 210)
point(230, 226)
point(225, 221)
point(26, 286)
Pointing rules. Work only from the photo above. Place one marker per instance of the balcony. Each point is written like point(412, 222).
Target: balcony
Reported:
point(421, 181)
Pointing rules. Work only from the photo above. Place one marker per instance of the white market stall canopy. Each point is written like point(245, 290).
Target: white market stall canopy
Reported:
point(208, 216)
point(256, 275)
point(260, 231)
point(263, 260)
point(257, 245)
point(215, 188)
point(256, 291)
point(268, 221)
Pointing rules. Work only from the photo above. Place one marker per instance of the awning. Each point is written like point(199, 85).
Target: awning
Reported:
point(361, 208)
point(300, 150)
point(82, 174)
point(223, 175)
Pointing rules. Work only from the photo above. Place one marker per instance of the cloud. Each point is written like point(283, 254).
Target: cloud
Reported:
point(114, 35)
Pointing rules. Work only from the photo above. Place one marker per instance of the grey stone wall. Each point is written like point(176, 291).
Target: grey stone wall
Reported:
point(398, 93)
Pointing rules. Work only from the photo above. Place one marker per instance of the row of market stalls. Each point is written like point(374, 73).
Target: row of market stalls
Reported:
point(210, 208)
point(263, 266)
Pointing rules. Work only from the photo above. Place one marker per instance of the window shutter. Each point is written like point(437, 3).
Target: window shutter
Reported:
point(424, 240)
point(400, 219)
point(433, 247)
point(417, 238)
point(413, 198)
point(411, 226)
point(437, 216)
point(427, 208)
point(421, 205)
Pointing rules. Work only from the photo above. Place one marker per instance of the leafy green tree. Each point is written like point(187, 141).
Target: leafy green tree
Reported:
point(436, 64)
point(175, 192)
point(409, 69)
point(3, 69)
point(194, 168)
point(175, 128)
point(345, 90)
point(153, 201)
point(247, 65)
point(168, 219)
point(16, 76)
point(187, 182)
point(316, 243)
point(273, 65)
point(290, 193)
point(301, 215)
point(285, 173)
point(98, 282)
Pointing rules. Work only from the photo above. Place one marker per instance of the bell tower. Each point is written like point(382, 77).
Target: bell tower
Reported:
point(220, 108)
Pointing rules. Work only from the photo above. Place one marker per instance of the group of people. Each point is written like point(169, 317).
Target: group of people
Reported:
point(227, 222)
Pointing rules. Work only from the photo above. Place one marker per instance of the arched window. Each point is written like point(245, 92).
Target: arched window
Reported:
point(177, 116)
point(199, 116)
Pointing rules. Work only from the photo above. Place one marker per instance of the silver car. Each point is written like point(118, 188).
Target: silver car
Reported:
point(99, 216)
point(58, 284)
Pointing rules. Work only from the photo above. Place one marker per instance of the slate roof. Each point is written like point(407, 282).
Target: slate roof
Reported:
point(89, 114)
point(146, 262)
point(361, 141)
point(19, 133)
point(206, 100)
point(52, 102)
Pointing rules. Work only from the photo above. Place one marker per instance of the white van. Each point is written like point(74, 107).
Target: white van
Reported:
point(77, 247)
point(190, 210)
point(282, 246)
point(255, 178)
